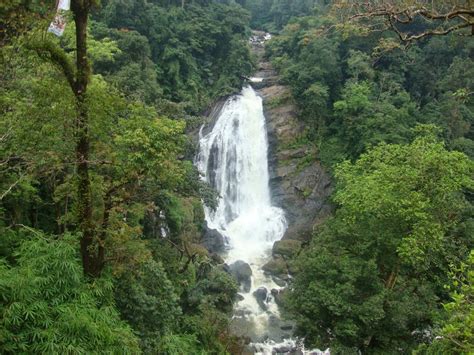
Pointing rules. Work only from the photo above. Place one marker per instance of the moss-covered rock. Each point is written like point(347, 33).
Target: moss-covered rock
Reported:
point(198, 249)
point(276, 267)
point(286, 247)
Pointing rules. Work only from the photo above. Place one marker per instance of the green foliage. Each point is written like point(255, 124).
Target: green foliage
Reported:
point(148, 302)
point(419, 184)
point(180, 345)
point(217, 289)
point(352, 96)
point(272, 15)
point(48, 307)
point(456, 335)
point(189, 55)
point(374, 273)
point(137, 170)
point(458, 331)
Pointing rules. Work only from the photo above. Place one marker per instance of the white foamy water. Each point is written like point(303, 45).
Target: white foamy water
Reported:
point(233, 159)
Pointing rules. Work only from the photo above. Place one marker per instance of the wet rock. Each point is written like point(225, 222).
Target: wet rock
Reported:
point(212, 240)
point(286, 247)
point(239, 297)
point(260, 295)
point(286, 327)
point(280, 296)
point(243, 273)
point(273, 320)
point(276, 267)
point(283, 349)
point(280, 282)
point(292, 267)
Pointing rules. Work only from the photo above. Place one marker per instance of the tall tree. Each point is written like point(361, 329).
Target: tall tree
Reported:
point(92, 251)
point(78, 76)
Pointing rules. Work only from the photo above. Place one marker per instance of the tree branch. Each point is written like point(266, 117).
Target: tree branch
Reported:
point(47, 49)
point(449, 19)
point(12, 186)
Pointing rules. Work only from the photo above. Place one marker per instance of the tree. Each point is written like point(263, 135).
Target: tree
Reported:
point(456, 335)
point(458, 331)
point(374, 273)
point(78, 75)
point(92, 249)
point(410, 20)
point(148, 302)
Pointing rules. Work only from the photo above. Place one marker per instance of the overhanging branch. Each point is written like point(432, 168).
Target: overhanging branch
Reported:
point(47, 49)
point(442, 19)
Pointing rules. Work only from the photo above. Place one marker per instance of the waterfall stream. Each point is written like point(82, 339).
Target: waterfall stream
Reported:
point(233, 159)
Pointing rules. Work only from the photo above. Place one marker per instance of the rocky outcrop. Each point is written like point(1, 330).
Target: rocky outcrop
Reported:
point(299, 184)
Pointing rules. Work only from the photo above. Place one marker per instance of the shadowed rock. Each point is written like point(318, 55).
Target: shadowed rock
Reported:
point(212, 240)
point(260, 295)
point(243, 273)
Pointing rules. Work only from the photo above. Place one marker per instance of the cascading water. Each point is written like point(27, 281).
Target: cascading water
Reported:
point(233, 159)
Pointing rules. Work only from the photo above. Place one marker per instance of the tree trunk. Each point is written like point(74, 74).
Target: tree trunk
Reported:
point(92, 259)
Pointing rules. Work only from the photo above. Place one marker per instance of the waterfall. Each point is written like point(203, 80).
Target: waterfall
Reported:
point(233, 160)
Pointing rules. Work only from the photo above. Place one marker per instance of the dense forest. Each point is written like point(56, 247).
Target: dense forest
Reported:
point(101, 207)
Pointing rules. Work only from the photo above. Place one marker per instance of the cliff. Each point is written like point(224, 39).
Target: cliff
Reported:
point(299, 184)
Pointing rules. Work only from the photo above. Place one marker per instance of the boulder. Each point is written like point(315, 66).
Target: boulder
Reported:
point(278, 295)
point(212, 240)
point(292, 267)
point(276, 267)
point(279, 281)
point(287, 247)
point(243, 273)
point(260, 295)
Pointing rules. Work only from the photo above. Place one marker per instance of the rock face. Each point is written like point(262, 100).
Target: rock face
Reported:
point(299, 183)
point(243, 273)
